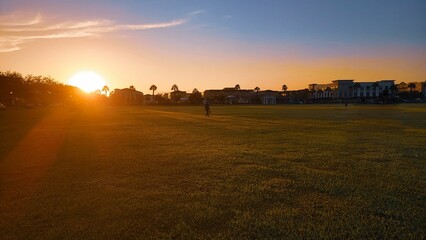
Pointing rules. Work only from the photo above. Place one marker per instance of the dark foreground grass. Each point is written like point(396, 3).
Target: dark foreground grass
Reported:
point(249, 172)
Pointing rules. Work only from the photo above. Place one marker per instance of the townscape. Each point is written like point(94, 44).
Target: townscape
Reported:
point(33, 91)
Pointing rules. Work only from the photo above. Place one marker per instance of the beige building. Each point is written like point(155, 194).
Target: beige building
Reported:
point(347, 89)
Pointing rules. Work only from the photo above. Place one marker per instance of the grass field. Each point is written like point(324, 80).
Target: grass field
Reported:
point(247, 172)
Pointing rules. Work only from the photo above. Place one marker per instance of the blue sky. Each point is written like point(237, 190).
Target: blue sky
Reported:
point(258, 31)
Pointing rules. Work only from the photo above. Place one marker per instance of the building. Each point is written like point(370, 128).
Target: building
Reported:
point(229, 95)
point(243, 96)
point(179, 96)
point(348, 90)
point(127, 96)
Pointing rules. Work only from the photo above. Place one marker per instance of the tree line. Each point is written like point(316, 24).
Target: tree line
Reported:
point(31, 90)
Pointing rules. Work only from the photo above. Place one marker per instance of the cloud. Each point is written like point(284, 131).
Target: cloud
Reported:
point(196, 12)
point(19, 19)
point(16, 30)
point(155, 25)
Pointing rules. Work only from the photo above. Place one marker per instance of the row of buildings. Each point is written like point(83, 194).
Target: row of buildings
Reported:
point(334, 92)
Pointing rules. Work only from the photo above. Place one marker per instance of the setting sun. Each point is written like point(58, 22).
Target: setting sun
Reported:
point(87, 81)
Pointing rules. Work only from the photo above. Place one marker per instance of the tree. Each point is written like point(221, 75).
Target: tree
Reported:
point(105, 89)
point(195, 97)
point(132, 88)
point(393, 89)
point(284, 88)
point(411, 86)
point(257, 89)
point(153, 88)
point(175, 88)
point(237, 88)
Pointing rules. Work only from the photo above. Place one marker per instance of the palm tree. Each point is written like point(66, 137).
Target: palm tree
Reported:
point(153, 88)
point(284, 87)
point(394, 89)
point(132, 88)
point(175, 88)
point(257, 89)
point(411, 86)
point(195, 90)
point(105, 89)
point(375, 86)
point(237, 88)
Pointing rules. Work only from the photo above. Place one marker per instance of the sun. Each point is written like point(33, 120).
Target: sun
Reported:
point(87, 81)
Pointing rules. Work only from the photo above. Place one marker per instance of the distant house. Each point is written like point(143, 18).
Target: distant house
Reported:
point(127, 96)
point(179, 96)
point(149, 99)
point(269, 97)
point(244, 96)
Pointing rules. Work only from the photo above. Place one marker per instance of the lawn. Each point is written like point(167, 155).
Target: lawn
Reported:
point(246, 172)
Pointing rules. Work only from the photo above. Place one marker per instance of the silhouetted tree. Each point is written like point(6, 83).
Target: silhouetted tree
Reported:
point(257, 89)
point(195, 97)
point(411, 86)
point(32, 90)
point(105, 89)
point(393, 89)
point(132, 88)
point(175, 88)
point(153, 88)
point(284, 88)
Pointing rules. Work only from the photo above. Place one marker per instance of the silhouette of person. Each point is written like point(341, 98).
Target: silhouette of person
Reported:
point(207, 108)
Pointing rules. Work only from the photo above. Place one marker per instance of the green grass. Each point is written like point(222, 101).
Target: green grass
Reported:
point(247, 172)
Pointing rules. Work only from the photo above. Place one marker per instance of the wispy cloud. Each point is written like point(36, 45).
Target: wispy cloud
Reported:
point(196, 12)
point(19, 19)
point(16, 30)
point(154, 25)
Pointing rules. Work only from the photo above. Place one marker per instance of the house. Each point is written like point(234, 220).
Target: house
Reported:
point(229, 95)
point(179, 96)
point(127, 96)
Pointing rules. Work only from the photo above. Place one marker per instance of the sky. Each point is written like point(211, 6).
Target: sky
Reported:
point(215, 44)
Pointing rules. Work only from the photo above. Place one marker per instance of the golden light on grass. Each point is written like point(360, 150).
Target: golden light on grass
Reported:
point(87, 81)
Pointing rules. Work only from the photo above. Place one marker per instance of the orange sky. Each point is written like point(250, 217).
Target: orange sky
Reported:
point(181, 50)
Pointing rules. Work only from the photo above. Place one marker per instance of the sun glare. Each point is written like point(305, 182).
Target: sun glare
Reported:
point(87, 81)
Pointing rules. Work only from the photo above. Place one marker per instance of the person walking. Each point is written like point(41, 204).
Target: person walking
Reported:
point(207, 108)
